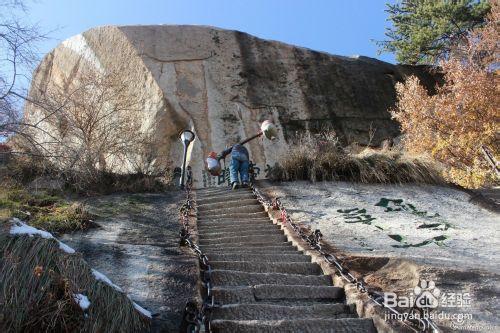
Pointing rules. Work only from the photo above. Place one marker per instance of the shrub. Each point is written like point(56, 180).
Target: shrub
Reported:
point(23, 171)
point(458, 122)
point(108, 182)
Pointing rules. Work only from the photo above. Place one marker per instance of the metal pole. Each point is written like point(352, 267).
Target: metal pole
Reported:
point(251, 138)
point(183, 171)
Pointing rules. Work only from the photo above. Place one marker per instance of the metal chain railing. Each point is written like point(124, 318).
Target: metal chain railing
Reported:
point(314, 241)
point(196, 318)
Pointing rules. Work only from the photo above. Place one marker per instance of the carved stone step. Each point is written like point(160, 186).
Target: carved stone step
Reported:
point(348, 325)
point(236, 278)
point(220, 190)
point(303, 268)
point(236, 216)
point(285, 246)
point(252, 208)
point(274, 237)
point(202, 222)
point(257, 257)
point(236, 229)
point(245, 233)
point(227, 203)
point(224, 198)
point(258, 311)
point(266, 293)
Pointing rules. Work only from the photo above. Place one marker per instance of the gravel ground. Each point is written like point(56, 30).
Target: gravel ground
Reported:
point(137, 247)
point(436, 229)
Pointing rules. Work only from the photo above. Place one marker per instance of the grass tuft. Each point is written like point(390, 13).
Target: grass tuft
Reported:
point(322, 158)
point(37, 284)
point(44, 210)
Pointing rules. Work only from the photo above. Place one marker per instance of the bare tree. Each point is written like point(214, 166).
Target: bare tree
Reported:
point(88, 127)
point(18, 56)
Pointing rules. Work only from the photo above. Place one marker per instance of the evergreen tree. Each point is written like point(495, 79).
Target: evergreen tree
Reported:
point(425, 31)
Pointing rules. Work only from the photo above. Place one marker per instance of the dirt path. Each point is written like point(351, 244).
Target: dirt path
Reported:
point(137, 247)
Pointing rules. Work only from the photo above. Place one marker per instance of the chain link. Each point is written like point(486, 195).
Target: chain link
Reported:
point(193, 316)
point(314, 241)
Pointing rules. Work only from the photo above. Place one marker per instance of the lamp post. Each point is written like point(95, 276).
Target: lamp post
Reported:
point(186, 137)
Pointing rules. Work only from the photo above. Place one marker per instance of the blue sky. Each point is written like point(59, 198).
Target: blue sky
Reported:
point(344, 27)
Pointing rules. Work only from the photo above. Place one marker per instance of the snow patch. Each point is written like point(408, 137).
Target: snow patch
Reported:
point(101, 277)
point(82, 300)
point(21, 228)
point(142, 310)
point(65, 247)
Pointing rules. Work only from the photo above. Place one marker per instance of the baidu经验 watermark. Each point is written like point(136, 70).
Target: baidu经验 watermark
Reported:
point(426, 302)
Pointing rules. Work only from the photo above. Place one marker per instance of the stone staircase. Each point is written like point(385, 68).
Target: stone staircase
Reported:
point(261, 282)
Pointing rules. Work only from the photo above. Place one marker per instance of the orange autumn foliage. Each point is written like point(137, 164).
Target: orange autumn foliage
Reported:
point(462, 116)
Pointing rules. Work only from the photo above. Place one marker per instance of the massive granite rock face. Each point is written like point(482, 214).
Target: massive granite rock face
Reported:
point(222, 84)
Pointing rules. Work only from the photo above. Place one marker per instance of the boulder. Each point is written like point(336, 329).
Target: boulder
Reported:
point(222, 84)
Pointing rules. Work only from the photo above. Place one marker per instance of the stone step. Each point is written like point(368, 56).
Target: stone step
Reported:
point(275, 237)
point(285, 246)
point(229, 218)
point(214, 225)
point(253, 311)
point(257, 257)
point(249, 246)
point(232, 222)
point(215, 190)
point(347, 325)
point(224, 198)
point(246, 233)
point(221, 189)
point(268, 227)
point(237, 219)
point(267, 293)
point(226, 206)
point(237, 230)
point(251, 219)
point(222, 215)
point(255, 208)
point(262, 227)
point(302, 268)
point(228, 203)
point(236, 278)
point(243, 250)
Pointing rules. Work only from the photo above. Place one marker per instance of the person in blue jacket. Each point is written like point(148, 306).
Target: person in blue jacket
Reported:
point(240, 161)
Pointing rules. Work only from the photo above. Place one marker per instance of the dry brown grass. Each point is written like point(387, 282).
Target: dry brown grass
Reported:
point(37, 283)
point(322, 158)
point(22, 171)
point(106, 183)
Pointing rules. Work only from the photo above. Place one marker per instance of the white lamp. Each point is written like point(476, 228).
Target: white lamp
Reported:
point(186, 137)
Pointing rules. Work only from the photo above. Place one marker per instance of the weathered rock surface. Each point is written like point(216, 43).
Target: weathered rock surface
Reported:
point(137, 247)
point(222, 84)
point(464, 264)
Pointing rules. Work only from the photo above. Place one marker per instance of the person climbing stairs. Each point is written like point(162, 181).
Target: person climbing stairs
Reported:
point(261, 282)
